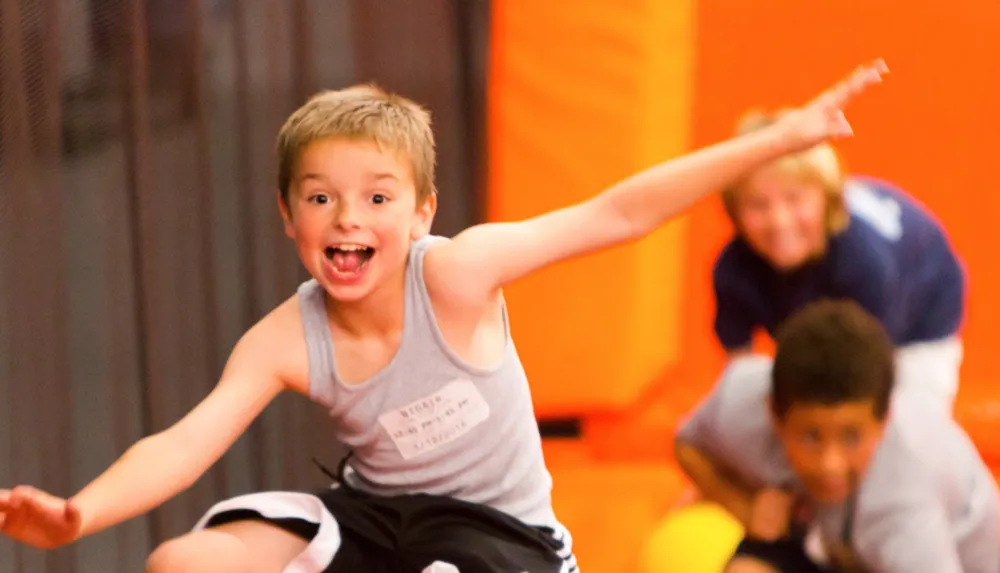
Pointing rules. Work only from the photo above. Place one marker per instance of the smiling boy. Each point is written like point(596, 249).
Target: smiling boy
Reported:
point(404, 337)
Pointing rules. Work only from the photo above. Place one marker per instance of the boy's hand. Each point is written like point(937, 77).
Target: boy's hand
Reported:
point(823, 118)
point(770, 514)
point(37, 518)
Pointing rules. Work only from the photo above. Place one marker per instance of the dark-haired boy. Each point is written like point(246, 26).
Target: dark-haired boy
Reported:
point(817, 440)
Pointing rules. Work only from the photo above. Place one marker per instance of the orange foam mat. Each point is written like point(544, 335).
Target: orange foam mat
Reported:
point(609, 507)
point(977, 409)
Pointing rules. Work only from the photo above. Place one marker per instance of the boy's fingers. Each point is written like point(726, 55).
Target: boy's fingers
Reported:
point(36, 495)
point(47, 507)
point(856, 82)
point(28, 491)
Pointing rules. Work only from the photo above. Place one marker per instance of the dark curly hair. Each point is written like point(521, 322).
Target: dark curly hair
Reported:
point(829, 353)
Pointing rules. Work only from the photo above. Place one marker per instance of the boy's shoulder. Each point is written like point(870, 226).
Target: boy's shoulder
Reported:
point(442, 271)
point(734, 425)
point(876, 210)
point(736, 410)
point(421, 250)
point(276, 343)
point(428, 242)
point(923, 454)
point(926, 483)
point(746, 380)
point(888, 210)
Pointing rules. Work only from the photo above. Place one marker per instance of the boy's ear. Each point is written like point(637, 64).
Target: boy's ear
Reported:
point(888, 413)
point(286, 216)
point(775, 420)
point(424, 217)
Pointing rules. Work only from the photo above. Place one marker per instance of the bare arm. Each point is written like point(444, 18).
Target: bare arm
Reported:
point(484, 258)
point(713, 483)
point(710, 440)
point(163, 465)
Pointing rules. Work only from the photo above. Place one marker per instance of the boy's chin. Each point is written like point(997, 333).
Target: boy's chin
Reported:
point(346, 293)
point(787, 262)
point(827, 496)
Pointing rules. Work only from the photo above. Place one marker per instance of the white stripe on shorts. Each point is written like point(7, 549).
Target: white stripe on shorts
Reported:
point(319, 553)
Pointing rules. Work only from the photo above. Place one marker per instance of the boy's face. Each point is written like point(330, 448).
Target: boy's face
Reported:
point(352, 213)
point(782, 218)
point(829, 447)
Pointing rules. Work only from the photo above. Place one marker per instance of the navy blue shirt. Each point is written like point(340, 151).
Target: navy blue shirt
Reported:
point(893, 259)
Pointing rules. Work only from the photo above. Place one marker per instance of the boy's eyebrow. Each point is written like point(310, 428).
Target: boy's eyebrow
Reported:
point(375, 176)
point(312, 177)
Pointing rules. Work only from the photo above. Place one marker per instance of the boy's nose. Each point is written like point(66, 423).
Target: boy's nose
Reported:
point(347, 218)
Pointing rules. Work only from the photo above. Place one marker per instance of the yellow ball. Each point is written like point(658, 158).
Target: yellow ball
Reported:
point(699, 538)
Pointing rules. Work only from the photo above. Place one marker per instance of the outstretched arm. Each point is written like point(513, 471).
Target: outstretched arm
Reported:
point(714, 483)
point(157, 467)
point(484, 258)
point(163, 465)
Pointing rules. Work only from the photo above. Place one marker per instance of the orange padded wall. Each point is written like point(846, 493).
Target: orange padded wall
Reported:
point(581, 95)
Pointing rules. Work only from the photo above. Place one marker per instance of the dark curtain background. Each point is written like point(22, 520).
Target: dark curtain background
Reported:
point(139, 235)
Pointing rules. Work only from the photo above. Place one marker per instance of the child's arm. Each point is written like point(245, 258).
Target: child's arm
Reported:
point(766, 514)
point(713, 483)
point(160, 466)
point(163, 465)
point(704, 429)
point(486, 257)
point(710, 434)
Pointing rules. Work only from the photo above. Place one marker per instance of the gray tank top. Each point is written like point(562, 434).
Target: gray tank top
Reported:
point(429, 422)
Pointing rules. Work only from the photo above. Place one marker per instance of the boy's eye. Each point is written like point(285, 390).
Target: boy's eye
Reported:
point(319, 199)
point(851, 437)
point(811, 437)
point(379, 198)
point(755, 204)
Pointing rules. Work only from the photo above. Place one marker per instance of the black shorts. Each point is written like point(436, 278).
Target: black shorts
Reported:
point(405, 533)
point(784, 555)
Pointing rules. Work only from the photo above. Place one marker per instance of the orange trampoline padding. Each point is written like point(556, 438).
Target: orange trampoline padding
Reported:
point(609, 508)
point(977, 410)
point(579, 99)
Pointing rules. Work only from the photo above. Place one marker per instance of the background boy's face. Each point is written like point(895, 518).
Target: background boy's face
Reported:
point(829, 447)
point(782, 218)
point(352, 212)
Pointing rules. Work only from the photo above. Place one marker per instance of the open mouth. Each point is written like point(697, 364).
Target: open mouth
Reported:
point(348, 259)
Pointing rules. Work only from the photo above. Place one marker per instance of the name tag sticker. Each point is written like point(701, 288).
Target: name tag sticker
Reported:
point(435, 420)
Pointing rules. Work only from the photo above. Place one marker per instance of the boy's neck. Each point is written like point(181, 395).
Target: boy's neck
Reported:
point(378, 314)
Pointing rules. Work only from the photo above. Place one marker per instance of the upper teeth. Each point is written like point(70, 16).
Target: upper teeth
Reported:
point(350, 247)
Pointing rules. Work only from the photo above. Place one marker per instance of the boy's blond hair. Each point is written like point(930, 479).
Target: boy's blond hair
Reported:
point(818, 165)
point(363, 112)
